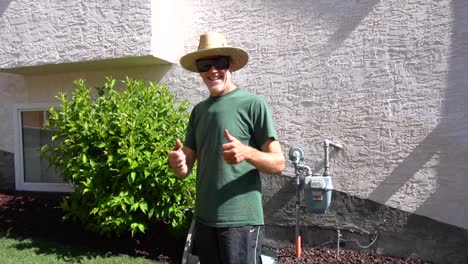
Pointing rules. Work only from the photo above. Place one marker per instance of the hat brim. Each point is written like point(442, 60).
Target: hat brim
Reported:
point(239, 57)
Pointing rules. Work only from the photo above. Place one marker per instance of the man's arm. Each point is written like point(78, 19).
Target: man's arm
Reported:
point(269, 160)
point(181, 160)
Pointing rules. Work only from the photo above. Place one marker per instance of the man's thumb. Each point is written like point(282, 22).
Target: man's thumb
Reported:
point(178, 145)
point(228, 136)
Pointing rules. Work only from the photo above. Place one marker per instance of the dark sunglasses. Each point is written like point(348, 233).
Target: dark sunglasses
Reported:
point(220, 63)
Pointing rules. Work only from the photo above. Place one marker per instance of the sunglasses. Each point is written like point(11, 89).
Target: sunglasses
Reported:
point(220, 63)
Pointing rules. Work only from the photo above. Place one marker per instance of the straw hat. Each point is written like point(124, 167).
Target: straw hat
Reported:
point(214, 44)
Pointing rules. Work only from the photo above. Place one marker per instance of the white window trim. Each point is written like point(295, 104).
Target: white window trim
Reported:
point(20, 184)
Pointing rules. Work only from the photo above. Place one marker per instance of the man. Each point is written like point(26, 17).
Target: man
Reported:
point(232, 135)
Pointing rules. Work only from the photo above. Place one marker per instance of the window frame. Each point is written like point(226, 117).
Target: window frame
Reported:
point(20, 183)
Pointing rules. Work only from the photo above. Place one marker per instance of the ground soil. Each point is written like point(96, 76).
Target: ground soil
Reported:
point(37, 215)
point(329, 256)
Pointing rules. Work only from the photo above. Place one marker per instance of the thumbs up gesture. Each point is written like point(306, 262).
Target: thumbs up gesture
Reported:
point(176, 157)
point(234, 152)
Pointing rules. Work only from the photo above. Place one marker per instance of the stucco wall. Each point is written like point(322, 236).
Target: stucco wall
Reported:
point(56, 32)
point(387, 79)
point(384, 78)
point(12, 89)
point(42, 88)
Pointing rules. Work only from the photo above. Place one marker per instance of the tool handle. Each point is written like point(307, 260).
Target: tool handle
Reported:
point(298, 247)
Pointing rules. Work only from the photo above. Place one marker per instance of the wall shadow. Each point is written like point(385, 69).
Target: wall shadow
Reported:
point(356, 11)
point(4, 5)
point(448, 141)
point(7, 170)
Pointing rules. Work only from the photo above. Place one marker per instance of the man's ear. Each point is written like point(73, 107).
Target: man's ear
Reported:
point(230, 64)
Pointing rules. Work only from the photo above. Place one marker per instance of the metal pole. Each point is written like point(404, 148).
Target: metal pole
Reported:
point(298, 202)
point(326, 160)
point(296, 154)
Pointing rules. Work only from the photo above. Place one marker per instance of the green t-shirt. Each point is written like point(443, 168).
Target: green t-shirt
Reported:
point(228, 195)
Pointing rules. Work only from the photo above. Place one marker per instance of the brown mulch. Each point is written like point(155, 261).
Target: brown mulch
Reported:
point(37, 215)
point(287, 255)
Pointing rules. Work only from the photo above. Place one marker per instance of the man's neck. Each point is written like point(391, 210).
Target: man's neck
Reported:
point(229, 88)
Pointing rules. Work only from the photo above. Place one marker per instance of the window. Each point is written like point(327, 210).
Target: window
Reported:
point(32, 172)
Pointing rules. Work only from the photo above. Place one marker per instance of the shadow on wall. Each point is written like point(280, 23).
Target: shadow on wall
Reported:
point(7, 171)
point(347, 21)
point(448, 142)
point(4, 5)
point(356, 11)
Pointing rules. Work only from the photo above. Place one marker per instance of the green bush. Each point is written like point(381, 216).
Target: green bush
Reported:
point(113, 148)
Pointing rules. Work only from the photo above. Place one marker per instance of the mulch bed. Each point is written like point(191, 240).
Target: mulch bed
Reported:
point(287, 255)
point(37, 215)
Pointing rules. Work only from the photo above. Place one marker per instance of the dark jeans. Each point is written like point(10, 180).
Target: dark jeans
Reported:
point(228, 245)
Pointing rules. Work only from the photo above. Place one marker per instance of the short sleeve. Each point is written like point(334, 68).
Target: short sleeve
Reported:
point(190, 139)
point(263, 123)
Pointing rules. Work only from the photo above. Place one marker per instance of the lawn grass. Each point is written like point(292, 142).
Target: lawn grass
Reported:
point(16, 250)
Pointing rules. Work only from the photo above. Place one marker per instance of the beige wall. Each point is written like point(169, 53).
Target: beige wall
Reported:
point(12, 89)
point(387, 79)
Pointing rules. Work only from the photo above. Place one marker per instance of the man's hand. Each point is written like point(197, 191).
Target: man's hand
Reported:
point(234, 152)
point(269, 160)
point(177, 159)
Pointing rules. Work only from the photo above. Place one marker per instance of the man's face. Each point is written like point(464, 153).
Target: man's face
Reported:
point(216, 74)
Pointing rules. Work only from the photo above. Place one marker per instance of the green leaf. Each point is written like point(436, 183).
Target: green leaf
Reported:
point(143, 207)
point(94, 211)
point(134, 206)
point(141, 228)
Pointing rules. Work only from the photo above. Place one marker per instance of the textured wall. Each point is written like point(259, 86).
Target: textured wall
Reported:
point(43, 32)
point(387, 79)
point(384, 78)
point(12, 90)
point(377, 228)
